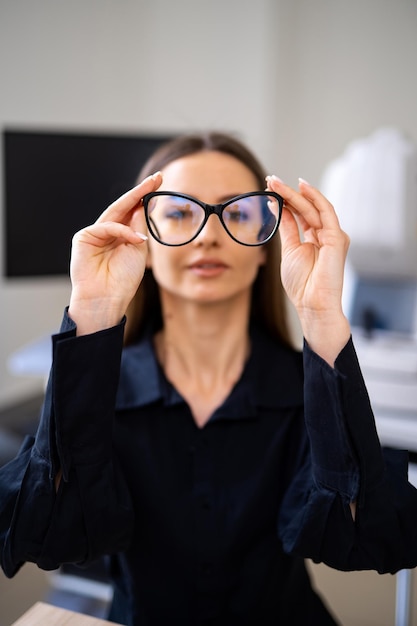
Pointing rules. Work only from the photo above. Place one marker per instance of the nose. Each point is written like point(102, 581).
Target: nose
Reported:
point(212, 232)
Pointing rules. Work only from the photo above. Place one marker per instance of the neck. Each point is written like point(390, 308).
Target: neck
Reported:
point(203, 349)
point(208, 334)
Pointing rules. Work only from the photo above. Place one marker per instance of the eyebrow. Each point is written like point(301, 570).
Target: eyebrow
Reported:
point(224, 199)
point(220, 200)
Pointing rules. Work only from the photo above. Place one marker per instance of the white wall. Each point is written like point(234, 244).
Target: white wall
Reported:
point(298, 79)
point(355, 68)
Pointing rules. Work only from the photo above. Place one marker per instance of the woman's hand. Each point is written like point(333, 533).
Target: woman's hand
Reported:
point(108, 260)
point(314, 250)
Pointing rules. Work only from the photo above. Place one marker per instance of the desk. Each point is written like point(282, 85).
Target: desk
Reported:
point(41, 614)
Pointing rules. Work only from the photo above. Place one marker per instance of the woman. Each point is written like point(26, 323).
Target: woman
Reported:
point(207, 456)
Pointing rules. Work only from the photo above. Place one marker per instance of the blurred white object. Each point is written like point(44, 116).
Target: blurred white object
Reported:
point(373, 187)
point(32, 359)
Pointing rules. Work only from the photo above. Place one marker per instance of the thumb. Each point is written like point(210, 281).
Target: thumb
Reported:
point(289, 231)
point(138, 222)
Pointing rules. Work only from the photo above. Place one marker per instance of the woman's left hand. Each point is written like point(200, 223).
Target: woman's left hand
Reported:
point(314, 250)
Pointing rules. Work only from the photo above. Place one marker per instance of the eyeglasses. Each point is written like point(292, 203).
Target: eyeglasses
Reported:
point(175, 219)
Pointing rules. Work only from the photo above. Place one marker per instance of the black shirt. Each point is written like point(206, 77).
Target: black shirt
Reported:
point(207, 525)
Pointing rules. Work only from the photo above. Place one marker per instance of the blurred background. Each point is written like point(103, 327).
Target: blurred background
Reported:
point(298, 80)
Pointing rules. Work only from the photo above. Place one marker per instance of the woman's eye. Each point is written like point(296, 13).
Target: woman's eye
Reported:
point(178, 213)
point(237, 215)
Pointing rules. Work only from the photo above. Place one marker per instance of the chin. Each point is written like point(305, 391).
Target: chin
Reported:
point(217, 296)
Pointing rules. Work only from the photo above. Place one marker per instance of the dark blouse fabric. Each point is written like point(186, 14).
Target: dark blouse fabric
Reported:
point(207, 525)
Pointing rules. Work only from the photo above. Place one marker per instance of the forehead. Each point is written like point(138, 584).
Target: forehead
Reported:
point(208, 175)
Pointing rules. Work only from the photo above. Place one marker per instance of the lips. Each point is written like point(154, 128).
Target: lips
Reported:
point(208, 267)
point(207, 263)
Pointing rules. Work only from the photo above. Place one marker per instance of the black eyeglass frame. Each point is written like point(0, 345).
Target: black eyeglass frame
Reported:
point(210, 209)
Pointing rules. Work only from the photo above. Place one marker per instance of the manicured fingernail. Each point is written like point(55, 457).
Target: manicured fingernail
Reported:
point(142, 236)
point(274, 177)
point(303, 182)
point(155, 176)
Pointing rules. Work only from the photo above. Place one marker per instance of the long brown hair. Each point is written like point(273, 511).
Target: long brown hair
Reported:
point(268, 306)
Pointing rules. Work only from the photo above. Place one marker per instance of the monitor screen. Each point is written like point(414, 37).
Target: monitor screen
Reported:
point(58, 182)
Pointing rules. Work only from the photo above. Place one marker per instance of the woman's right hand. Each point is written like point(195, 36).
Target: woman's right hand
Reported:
point(108, 260)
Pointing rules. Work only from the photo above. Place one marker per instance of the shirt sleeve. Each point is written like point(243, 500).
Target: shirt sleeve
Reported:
point(346, 464)
point(91, 514)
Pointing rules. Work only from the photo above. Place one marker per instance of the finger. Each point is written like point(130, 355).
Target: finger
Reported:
point(102, 234)
point(309, 203)
point(331, 233)
point(138, 221)
point(289, 232)
point(296, 202)
point(119, 210)
point(328, 215)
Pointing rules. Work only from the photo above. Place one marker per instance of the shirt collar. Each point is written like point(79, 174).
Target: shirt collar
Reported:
point(272, 378)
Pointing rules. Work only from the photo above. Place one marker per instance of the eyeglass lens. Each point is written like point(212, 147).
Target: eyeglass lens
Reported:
point(250, 220)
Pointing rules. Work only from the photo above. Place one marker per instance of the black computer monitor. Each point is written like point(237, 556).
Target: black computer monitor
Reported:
point(58, 182)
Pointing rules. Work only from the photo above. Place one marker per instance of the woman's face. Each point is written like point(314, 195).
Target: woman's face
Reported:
point(212, 267)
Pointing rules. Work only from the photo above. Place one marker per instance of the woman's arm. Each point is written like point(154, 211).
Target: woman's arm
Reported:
point(64, 499)
point(91, 513)
point(314, 250)
point(108, 261)
point(346, 473)
point(345, 464)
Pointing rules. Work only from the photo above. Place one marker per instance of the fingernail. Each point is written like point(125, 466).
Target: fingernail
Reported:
point(142, 236)
point(303, 182)
point(274, 177)
point(155, 176)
